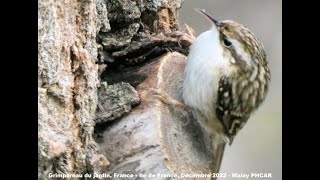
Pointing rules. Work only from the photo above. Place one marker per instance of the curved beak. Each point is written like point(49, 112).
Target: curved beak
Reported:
point(202, 11)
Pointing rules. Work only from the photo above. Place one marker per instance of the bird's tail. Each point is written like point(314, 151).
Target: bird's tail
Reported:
point(218, 155)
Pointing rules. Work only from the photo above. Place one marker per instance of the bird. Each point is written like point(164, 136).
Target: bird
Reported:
point(226, 79)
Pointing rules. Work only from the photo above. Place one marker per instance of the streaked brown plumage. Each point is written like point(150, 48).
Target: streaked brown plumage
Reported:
point(241, 93)
point(226, 78)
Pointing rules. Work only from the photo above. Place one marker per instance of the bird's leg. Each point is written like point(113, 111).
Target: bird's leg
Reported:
point(167, 99)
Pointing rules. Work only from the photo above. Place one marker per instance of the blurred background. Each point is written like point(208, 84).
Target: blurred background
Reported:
point(258, 147)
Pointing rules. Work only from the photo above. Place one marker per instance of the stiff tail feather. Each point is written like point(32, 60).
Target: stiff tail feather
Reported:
point(218, 155)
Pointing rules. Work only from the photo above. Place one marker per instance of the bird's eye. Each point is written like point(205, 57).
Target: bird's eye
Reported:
point(227, 43)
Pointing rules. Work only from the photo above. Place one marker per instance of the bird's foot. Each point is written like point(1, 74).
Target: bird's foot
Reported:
point(185, 36)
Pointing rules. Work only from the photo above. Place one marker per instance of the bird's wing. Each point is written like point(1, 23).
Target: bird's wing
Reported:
point(228, 110)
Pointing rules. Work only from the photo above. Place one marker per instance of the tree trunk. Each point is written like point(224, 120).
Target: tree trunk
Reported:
point(154, 137)
point(97, 61)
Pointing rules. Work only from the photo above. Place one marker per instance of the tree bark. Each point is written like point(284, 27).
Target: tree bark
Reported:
point(67, 87)
point(154, 137)
point(97, 60)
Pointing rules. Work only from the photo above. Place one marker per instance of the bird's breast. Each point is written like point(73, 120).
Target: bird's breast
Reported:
point(205, 66)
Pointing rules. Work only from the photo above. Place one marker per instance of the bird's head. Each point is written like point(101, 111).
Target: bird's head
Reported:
point(238, 43)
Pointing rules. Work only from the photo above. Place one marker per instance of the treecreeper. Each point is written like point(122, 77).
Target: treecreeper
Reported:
point(226, 79)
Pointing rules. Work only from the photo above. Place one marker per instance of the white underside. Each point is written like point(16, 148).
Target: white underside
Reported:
point(205, 65)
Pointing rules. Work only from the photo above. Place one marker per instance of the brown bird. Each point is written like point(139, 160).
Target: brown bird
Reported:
point(226, 80)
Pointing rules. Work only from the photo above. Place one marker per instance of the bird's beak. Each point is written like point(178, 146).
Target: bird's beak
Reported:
point(215, 22)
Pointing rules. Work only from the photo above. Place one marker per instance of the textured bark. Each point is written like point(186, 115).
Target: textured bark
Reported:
point(154, 137)
point(67, 84)
point(91, 57)
point(115, 101)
